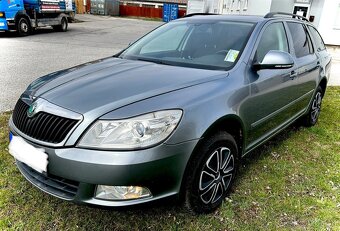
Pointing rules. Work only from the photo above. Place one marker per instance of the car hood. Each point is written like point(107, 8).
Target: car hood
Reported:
point(111, 83)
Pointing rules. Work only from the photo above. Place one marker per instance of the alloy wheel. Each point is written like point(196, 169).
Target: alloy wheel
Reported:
point(216, 175)
point(316, 107)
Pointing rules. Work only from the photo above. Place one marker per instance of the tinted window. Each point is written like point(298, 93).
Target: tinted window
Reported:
point(273, 38)
point(302, 42)
point(319, 45)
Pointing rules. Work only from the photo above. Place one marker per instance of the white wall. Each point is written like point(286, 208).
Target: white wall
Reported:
point(316, 11)
point(249, 7)
point(256, 7)
point(329, 25)
point(286, 6)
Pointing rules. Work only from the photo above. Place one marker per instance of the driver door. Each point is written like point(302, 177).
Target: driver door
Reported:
point(13, 7)
point(268, 106)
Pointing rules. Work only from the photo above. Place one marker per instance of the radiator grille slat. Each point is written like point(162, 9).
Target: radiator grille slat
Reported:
point(42, 126)
point(37, 124)
point(21, 113)
point(70, 124)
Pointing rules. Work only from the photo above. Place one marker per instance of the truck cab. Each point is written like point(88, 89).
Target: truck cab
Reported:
point(25, 15)
point(8, 11)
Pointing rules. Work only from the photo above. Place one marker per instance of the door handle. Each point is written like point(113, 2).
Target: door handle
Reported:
point(293, 75)
point(318, 64)
point(18, 5)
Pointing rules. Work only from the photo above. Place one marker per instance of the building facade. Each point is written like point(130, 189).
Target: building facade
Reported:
point(324, 14)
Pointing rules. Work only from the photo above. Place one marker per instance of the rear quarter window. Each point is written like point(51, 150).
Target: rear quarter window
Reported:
point(301, 39)
point(319, 44)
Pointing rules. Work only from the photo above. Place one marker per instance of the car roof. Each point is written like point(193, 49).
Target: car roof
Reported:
point(223, 17)
point(238, 18)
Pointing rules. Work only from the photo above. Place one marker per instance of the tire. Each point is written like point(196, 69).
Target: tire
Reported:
point(311, 118)
point(211, 173)
point(63, 25)
point(23, 27)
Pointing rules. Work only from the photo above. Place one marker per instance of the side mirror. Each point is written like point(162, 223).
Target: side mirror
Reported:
point(275, 60)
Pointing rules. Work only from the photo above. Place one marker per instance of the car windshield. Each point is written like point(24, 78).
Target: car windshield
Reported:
point(206, 45)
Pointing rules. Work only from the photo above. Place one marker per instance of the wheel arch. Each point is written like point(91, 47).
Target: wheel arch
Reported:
point(63, 15)
point(231, 124)
point(22, 14)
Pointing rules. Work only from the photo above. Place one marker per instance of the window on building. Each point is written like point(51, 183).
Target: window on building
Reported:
point(273, 38)
point(301, 39)
point(317, 38)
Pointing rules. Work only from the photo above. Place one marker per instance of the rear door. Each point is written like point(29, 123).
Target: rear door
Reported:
point(321, 51)
point(307, 63)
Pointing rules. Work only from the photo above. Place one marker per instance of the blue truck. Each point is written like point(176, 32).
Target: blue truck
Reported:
point(24, 16)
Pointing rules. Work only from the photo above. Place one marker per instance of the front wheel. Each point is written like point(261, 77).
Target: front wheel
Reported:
point(23, 27)
point(314, 111)
point(211, 173)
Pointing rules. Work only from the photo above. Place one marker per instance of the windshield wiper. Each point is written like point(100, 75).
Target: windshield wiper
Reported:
point(153, 60)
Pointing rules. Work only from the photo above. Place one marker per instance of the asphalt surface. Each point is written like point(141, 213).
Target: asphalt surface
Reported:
point(23, 59)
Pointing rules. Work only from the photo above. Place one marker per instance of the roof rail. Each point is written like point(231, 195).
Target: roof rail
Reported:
point(272, 14)
point(195, 14)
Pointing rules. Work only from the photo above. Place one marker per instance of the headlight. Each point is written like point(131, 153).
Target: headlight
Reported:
point(137, 132)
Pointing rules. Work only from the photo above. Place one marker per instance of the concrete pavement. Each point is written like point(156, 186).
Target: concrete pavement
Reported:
point(23, 59)
point(335, 70)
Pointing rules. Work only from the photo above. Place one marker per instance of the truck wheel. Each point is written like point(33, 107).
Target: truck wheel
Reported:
point(63, 25)
point(23, 27)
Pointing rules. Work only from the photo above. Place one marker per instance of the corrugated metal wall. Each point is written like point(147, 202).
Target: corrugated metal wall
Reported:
point(148, 11)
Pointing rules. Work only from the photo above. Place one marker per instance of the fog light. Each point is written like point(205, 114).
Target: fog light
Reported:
point(121, 192)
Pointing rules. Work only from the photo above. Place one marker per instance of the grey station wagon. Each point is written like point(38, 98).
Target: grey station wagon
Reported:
point(173, 113)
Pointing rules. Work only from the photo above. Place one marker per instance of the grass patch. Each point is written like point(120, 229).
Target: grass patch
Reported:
point(292, 182)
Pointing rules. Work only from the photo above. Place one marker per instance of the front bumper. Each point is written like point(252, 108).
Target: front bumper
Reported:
point(3, 24)
point(74, 173)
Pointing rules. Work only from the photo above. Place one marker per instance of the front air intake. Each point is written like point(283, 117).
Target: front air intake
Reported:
point(42, 126)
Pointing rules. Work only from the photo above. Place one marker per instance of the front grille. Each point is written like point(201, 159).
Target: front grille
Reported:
point(57, 186)
point(42, 126)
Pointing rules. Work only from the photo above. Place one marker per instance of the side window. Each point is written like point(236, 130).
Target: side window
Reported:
point(273, 38)
point(301, 39)
point(319, 45)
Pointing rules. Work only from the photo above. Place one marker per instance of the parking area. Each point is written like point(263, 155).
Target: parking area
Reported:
point(23, 59)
